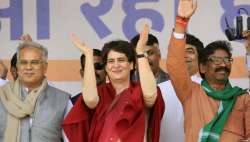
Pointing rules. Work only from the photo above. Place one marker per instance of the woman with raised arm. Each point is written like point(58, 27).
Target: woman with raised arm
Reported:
point(121, 110)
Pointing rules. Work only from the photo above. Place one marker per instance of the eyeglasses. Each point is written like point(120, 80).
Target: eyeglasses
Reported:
point(219, 60)
point(98, 66)
point(150, 52)
point(31, 62)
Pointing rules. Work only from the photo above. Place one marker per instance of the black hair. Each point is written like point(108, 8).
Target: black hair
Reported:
point(96, 52)
point(120, 46)
point(211, 48)
point(194, 41)
point(13, 60)
point(151, 40)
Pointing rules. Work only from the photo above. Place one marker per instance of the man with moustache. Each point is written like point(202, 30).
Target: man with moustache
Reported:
point(31, 110)
point(213, 111)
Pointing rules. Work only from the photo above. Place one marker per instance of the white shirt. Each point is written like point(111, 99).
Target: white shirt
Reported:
point(3, 82)
point(172, 129)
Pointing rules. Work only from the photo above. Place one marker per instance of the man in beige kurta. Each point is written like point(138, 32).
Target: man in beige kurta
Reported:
point(199, 108)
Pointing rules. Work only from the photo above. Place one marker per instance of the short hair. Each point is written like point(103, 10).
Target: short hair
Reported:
point(31, 44)
point(211, 48)
point(96, 52)
point(194, 41)
point(120, 46)
point(13, 60)
point(151, 40)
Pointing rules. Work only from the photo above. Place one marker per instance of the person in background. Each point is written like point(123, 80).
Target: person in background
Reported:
point(246, 34)
point(13, 67)
point(99, 70)
point(152, 52)
point(3, 73)
point(172, 122)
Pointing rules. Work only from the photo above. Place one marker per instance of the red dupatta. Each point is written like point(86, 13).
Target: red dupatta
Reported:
point(80, 125)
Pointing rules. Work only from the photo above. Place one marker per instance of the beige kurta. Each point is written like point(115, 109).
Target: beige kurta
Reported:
point(199, 109)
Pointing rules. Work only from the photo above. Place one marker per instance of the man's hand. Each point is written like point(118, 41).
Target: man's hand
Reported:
point(186, 8)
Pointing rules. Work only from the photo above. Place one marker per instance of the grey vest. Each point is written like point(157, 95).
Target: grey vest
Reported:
point(47, 118)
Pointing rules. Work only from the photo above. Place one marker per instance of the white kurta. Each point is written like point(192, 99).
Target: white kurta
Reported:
point(173, 119)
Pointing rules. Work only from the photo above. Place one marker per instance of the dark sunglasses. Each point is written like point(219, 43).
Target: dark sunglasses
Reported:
point(98, 66)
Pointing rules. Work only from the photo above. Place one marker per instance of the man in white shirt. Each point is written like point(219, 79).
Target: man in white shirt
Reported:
point(172, 122)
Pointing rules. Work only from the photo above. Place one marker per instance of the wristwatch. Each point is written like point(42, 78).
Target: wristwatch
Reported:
point(142, 55)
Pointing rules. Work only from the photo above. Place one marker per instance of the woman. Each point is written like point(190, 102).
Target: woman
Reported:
point(119, 110)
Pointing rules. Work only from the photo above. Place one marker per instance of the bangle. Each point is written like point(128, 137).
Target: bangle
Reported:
point(182, 21)
point(179, 35)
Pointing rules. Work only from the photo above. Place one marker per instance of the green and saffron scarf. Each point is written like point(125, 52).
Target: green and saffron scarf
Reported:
point(211, 131)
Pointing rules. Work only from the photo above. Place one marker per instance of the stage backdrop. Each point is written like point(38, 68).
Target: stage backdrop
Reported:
point(50, 22)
